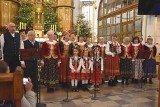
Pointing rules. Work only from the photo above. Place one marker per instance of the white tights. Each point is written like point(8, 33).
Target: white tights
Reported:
point(74, 82)
point(84, 81)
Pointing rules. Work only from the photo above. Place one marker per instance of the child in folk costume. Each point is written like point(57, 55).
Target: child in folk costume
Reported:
point(102, 46)
point(137, 63)
point(126, 60)
point(75, 67)
point(112, 60)
point(81, 44)
point(64, 50)
point(90, 46)
point(97, 62)
point(87, 66)
point(149, 65)
point(72, 42)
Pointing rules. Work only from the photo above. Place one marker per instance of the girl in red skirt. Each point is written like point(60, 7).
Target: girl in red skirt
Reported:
point(98, 67)
point(87, 66)
point(75, 66)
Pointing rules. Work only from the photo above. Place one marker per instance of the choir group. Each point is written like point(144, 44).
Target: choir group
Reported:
point(82, 63)
point(79, 63)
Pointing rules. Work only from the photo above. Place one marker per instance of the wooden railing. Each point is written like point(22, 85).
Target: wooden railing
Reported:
point(11, 87)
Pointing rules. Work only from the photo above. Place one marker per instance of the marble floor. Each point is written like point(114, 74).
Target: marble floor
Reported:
point(119, 96)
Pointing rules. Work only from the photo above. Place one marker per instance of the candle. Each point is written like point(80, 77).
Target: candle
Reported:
point(25, 25)
point(22, 25)
point(55, 28)
point(19, 25)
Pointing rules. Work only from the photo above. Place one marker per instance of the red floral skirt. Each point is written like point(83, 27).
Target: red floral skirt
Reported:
point(63, 69)
point(112, 66)
point(74, 75)
point(96, 78)
point(85, 76)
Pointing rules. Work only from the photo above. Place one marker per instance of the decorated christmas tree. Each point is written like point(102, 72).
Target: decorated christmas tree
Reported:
point(81, 27)
point(25, 15)
point(50, 16)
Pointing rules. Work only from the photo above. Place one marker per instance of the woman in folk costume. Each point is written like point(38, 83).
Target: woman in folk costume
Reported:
point(89, 45)
point(126, 60)
point(51, 58)
point(141, 40)
point(87, 66)
point(97, 63)
point(149, 65)
point(72, 41)
point(137, 63)
point(112, 59)
point(75, 67)
point(81, 44)
point(102, 46)
point(64, 50)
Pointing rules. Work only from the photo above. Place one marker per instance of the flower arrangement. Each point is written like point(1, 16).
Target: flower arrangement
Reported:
point(59, 34)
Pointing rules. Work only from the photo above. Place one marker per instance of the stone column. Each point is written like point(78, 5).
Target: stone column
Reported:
point(65, 14)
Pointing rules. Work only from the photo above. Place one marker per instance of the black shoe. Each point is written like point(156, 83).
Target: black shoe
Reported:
point(103, 81)
point(83, 87)
point(113, 83)
point(115, 80)
point(150, 81)
point(122, 80)
point(50, 89)
point(76, 89)
point(109, 83)
point(127, 81)
point(145, 80)
point(136, 81)
point(133, 81)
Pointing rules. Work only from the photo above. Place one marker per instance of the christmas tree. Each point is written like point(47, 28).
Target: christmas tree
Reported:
point(50, 16)
point(25, 14)
point(81, 27)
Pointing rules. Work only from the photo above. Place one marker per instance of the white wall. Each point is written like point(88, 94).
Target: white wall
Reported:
point(77, 10)
point(150, 27)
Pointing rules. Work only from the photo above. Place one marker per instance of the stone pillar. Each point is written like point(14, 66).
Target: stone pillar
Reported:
point(8, 11)
point(65, 14)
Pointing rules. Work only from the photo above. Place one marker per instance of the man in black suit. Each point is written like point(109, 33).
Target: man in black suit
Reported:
point(31, 69)
point(10, 45)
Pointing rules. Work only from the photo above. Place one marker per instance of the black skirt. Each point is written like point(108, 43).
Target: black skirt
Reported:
point(126, 67)
point(49, 74)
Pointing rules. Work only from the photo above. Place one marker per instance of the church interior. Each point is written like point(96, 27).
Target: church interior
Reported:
point(99, 20)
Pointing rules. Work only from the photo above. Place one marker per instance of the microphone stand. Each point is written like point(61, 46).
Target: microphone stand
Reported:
point(95, 82)
point(67, 97)
point(39, 104)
